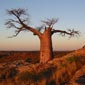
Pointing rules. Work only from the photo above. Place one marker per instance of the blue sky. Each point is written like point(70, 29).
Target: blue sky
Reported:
point(71, 14)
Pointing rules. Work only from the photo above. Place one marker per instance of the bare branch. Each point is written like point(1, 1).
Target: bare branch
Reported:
point(19, 22)
point(11, 23)
point(70, 32)
point(40, 28)
point(17, 12)
point(73, 33)
point(18, 31)
point(12, 20)
point(50, 22)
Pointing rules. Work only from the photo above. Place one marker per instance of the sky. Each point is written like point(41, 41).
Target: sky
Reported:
point(71, 14)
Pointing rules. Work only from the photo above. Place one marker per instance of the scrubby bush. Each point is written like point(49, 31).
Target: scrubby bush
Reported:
point(35, 76)
point(29, 60)
point(46, 73)
point(73, 59)
point(24, 76)
point(11, 72)
point(28, 76)
point(6, 73)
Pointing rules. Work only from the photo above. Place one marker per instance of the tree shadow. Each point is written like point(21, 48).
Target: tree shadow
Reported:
point(81, 80)
point(53, 82)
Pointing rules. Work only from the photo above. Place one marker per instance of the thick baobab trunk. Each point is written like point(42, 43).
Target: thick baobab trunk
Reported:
point(46, 51)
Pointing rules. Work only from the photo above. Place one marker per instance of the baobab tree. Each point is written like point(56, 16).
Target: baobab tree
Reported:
point(20, 23)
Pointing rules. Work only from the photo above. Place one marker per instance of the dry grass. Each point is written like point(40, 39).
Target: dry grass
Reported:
point(33, 56)
point(58, 71)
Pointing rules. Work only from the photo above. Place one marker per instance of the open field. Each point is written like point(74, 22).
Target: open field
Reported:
point(9, 56)
point(23, 68)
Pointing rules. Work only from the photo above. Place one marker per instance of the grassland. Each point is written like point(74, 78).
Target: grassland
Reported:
point(23, 68)
point(33, 56)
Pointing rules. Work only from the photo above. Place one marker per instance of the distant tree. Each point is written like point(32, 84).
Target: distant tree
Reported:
point(21, 23)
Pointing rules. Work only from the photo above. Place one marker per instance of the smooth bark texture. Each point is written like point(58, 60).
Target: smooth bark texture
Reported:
point(46, 51)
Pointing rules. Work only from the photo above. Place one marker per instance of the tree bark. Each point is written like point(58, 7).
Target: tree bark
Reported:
point(46, 50)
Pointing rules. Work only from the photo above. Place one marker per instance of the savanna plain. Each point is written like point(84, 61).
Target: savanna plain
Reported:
point(23, 68)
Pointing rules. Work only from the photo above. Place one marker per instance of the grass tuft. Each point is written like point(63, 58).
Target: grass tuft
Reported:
point(73, 59)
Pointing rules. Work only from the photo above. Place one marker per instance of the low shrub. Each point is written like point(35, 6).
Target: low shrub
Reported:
point(28, 76)
point(73, 59)
point(47, 72)
point(7, 73)
point(35, 76)
point(29, 60)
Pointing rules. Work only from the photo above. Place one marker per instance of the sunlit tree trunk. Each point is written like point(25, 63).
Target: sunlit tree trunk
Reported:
point(46, 51)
